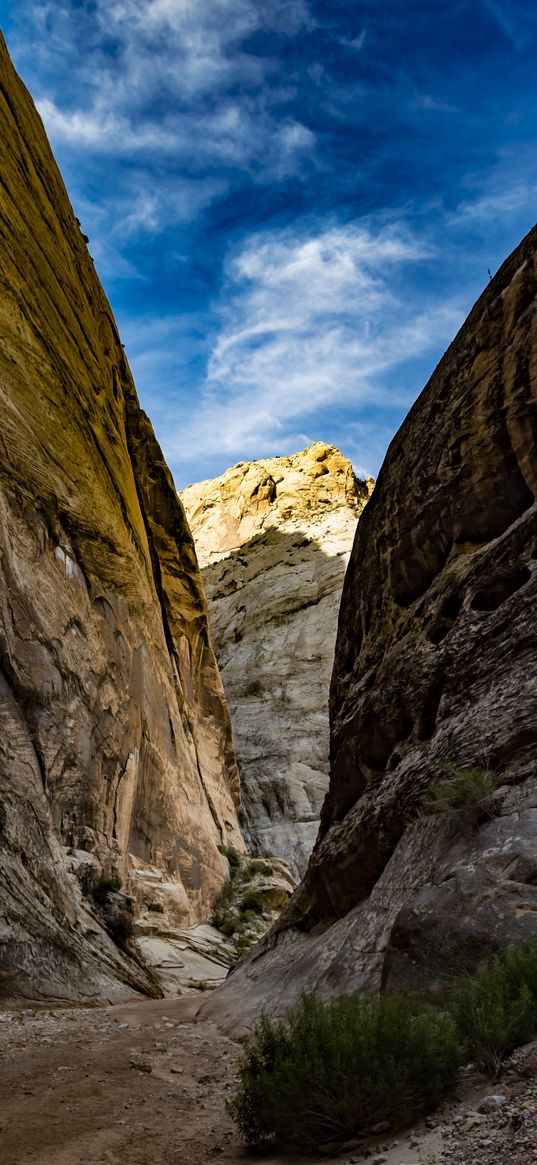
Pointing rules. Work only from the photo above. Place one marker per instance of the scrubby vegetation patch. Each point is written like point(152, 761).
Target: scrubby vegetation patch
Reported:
point(332, 1070)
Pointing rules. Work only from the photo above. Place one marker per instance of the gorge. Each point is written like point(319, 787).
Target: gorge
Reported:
point(119, 783)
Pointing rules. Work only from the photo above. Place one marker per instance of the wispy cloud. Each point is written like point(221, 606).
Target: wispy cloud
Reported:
point(308, 322)
point(510, 28)
point(427, 101)
point(151, 73)
point(165, 83)
point(489, 206)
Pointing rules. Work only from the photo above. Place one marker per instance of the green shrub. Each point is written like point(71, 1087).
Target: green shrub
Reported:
point(227, 923)
point(463, 790)
point(329, 1071)
point(223, 916)
point(258, 866)
point(244, 942)
point(252, 903)
point(496, 1010)
point(233, 856)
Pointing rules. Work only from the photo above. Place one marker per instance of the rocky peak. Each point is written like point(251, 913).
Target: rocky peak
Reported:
point(299, 492)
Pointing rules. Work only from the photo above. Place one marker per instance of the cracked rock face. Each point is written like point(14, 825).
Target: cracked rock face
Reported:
point(273, 539)
point(436, 661)
point(114, 734)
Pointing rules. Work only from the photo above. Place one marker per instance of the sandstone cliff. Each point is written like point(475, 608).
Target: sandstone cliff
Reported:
point(115, 737)
point(273, 538)
point(436, 661)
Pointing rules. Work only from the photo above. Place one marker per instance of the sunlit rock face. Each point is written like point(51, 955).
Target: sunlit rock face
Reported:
point(436, 661)
point(273, 539)
point(114, 736)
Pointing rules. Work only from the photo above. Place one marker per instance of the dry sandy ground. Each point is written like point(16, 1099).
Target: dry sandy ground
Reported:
point(143, 1083)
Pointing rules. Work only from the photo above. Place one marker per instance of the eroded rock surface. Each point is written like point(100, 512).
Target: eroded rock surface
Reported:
point(114, 734)
point(436, 661)
point(273, 539)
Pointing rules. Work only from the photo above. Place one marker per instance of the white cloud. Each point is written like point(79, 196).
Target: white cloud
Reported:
point(308, 323)
point(495, 204)
point(137, 74)
point(428, 102)
point(164, 83)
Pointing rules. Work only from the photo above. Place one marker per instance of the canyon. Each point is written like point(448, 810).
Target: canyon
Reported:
point(273, 539)
point(119, 785)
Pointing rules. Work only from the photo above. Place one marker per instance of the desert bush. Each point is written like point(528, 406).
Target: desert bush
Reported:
point(223, 917)
point(331, 1070)
point(233, 856)
point(465, 791)
point(258, 866)
point(252, 903)
point(496, 1010)
point(243, 942)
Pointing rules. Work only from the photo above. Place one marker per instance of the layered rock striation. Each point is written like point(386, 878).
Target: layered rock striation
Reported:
point(436, 664)
point(115, 743)
point(273, 538)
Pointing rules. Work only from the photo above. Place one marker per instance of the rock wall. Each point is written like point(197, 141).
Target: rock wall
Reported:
point(115, 737)
point(436, 662)
point(273, 539)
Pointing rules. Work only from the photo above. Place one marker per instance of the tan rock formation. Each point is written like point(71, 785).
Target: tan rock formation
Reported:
point(114, 736)
point(273, 539)
point(436, 661)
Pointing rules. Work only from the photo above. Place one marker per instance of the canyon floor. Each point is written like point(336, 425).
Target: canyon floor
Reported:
point(144, 1083)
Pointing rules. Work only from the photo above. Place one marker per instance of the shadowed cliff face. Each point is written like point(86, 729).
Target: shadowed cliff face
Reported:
point(115, 737)
point(436, 661)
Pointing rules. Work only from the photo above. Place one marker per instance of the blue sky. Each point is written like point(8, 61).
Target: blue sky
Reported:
point(291, 205)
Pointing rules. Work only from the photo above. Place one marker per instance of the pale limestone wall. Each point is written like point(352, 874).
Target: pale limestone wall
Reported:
point(273, 539)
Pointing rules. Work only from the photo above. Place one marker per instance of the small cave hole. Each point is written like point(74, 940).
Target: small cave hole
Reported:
point(450, 607)
point(439, 632)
